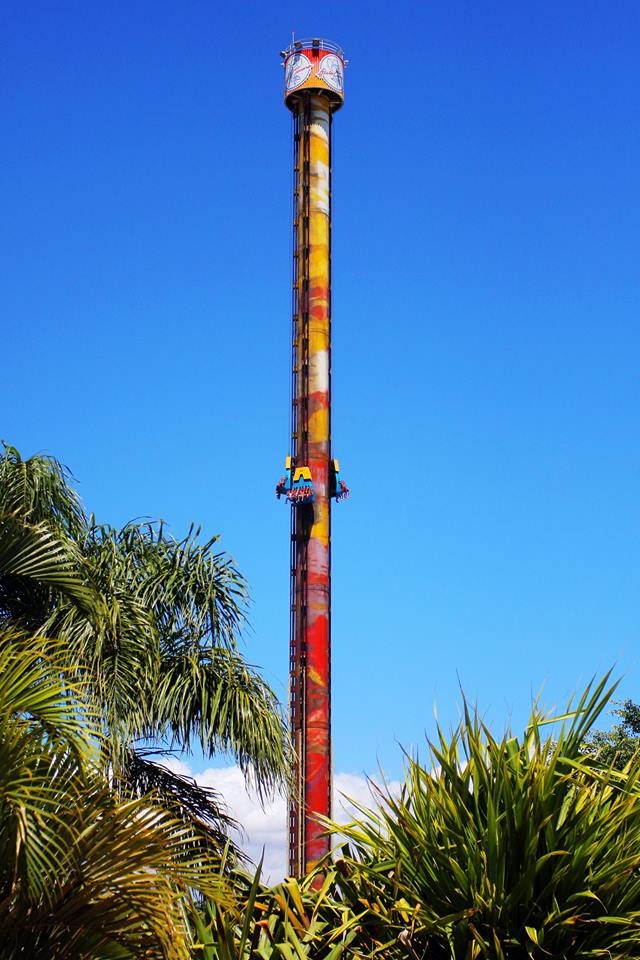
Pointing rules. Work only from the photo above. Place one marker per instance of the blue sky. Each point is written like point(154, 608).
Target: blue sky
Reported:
point(486, 342)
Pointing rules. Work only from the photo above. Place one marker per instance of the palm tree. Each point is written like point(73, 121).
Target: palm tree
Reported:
point(153, 624)
point(83, 875)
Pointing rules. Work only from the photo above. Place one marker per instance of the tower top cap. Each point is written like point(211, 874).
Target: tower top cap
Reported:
point(313, 64)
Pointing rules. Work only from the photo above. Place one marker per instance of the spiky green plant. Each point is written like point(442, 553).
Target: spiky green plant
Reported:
point(502, 848)
point(295, 920)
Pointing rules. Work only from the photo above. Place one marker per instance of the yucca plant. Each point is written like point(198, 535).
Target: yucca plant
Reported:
point(295, 920)
point(502, 848)
point(83, 875)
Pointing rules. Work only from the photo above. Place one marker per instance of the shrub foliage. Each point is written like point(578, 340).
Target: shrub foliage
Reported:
point(502, 848)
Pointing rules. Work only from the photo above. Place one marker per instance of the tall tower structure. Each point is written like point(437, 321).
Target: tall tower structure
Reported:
point(314, 71)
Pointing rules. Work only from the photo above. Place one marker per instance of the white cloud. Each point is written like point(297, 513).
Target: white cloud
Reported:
point(262, 827)
point(176, 765)
point(265, 827)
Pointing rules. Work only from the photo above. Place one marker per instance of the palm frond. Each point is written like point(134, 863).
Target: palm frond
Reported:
point(82, 873)
point(193, 593)
point(39, 491)
point(153, 622)
point(37, 554)
point(213, 698)
point(40, 684)
point(202, 807)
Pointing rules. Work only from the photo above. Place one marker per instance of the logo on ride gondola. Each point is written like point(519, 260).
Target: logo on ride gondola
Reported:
point(297, 71)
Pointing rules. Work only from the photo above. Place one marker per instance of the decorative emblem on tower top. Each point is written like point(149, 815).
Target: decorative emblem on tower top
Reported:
point(297, 70)
point(331, 70)
point(314, 65)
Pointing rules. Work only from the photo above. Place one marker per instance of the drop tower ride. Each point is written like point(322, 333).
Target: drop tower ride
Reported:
point(314, 71)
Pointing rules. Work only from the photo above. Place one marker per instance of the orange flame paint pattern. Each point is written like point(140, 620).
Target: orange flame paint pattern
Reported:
point(311, 566)
point(318, 679)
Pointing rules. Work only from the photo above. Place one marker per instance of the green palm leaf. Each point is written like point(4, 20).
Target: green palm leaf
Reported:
point(153, 623)
point(82, 874)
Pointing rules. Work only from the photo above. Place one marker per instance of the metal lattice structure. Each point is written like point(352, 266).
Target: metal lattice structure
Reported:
point(314, 71)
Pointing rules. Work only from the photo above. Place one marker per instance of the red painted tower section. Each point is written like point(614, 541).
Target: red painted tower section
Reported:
point(313, 92)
